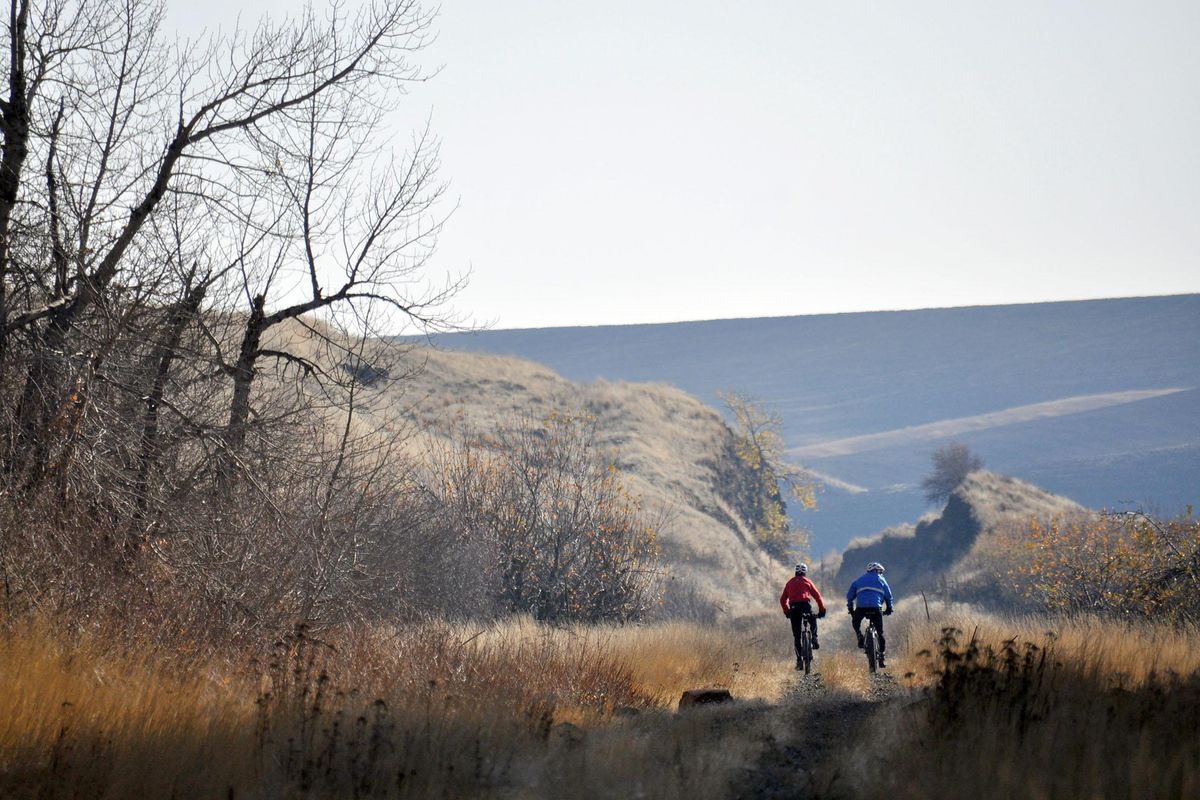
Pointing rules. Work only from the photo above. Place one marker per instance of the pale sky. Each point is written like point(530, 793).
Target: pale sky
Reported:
point(654, 161)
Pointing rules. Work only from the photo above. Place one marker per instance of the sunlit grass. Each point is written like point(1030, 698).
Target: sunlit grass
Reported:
point(521, 709)
point(1131, 649)
point(433, 708)
point(1040, 707)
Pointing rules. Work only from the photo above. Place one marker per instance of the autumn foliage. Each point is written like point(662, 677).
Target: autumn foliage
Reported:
point(1119, 563)
point(759, 446)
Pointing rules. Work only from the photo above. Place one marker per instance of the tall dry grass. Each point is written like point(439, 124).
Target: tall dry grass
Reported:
point(425, 710)
point(1129, 651)
point(1039, 707)
point(79, 720)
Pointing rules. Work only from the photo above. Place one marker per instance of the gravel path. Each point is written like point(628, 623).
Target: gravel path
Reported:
point(811, 726)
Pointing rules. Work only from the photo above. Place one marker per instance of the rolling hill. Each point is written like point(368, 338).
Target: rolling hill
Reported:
point(921, 556)
point(675, 453)
point(1095, 400)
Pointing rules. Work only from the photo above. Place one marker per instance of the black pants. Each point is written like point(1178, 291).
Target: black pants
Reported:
point(795, 613)
point(874, 615)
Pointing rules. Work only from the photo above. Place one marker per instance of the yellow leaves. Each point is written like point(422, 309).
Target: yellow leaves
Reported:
point(806, 494)
point(1115, 562)
point(758, 444)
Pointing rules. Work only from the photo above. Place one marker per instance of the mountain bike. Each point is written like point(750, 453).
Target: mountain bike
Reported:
point(806, 652)
point(871, 645)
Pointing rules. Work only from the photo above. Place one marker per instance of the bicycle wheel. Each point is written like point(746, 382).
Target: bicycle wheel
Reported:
point(872, 647)
point(806, 647)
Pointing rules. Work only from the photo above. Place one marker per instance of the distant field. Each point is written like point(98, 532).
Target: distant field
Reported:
point(1096, 400)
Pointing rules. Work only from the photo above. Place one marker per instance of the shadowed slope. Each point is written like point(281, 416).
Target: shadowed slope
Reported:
point(918, 557)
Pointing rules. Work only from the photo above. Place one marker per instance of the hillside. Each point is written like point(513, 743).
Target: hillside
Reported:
point(1095, 400)
point(923, 555)
point(676, 452)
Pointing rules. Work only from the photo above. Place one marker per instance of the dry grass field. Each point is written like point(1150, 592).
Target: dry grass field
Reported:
point(1078, 707)
point(982, 705)
point(428, 710)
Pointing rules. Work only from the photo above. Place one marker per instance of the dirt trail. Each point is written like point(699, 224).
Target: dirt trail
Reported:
point(810, 727)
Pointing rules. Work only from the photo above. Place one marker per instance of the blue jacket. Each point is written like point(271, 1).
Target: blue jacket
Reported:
point(869, 591)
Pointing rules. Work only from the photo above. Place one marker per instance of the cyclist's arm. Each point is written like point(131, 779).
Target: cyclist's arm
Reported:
point(817, 595)
point(783, 603)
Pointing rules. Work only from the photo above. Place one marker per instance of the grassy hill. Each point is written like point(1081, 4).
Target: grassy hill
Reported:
point(924, 555)
point(675, 451)
point(1095, 400)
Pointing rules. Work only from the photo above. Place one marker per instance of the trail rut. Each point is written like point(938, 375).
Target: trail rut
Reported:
point(811, 726)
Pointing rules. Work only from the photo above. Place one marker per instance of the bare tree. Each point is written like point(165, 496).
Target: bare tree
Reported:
point(264, 135)
point(565, 538)
point(952, 463)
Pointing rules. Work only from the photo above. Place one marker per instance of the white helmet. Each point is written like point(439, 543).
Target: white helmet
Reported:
point(802, 569)
point(875, 566)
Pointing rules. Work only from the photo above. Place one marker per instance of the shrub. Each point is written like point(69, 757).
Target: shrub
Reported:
point(952, 464)
point(564, 539)
point(1118, 563)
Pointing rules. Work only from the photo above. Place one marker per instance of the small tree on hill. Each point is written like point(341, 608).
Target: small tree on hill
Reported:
point(952, 464)
point(759, 446)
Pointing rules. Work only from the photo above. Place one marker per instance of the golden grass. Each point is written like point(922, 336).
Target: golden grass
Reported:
point(72, 716)
point(519, 709)
point(432, 709)
point(1130, 651)
point(1038, 707)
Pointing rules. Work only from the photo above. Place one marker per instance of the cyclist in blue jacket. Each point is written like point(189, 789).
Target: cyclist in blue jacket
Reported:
point(866, 597)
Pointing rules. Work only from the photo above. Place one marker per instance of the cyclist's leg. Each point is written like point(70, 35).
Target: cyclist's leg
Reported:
point(856, 618)
point(795, 620)
point(877, 618)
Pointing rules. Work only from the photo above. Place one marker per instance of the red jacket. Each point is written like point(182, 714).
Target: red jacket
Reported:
point(800, 589)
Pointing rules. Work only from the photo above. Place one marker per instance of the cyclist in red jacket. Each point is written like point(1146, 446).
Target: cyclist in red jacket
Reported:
point(796, 601)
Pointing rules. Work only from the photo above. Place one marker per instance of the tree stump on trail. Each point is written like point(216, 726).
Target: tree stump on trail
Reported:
point(702, 697)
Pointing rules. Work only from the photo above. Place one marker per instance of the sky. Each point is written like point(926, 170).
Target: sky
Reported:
point(654, 161)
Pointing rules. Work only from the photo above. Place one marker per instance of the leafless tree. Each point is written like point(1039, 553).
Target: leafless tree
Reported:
point(263, 135)
point(952, 463)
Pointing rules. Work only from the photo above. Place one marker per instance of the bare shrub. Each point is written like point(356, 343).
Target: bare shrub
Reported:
point(568, 540)
point(681, 600)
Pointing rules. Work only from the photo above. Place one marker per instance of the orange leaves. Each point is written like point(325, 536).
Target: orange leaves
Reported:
point(1119, 562)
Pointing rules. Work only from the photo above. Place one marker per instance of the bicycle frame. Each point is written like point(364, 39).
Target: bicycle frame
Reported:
point(871, 645)
point(806, 652)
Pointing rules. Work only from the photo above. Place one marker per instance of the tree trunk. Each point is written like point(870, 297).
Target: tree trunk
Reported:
point(14, 122)
point(243, 380)
point(165, 353)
